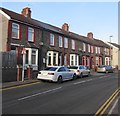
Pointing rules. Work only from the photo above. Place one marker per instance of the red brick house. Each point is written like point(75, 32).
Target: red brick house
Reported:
point(47, 45)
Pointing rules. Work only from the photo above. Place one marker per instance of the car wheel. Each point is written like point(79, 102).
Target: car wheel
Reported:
point(81, 75)
point(74, 77)
point(106, 71)
point(59, 79)
point(88, 74)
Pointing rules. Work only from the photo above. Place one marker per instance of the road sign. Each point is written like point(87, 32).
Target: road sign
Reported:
point(23, 51)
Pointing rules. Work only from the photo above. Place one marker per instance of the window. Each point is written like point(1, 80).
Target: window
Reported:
point(96, 50)
point(15, 31)
point(31, 58)
point(49, 59)
point(65, 42)
point(33, 55)
point(73, 44)
point(51, 39)
point(27, 56)
point(106, 51)
point(62, 69)
point(88, 48)
point(51, 68)
point(54, 58)
point(65, 59)
point(84, 47)
point(30, 34)
point(76, 59)
point(60, 42)
point(73, 59)
point(97, 60)
point(92, 50)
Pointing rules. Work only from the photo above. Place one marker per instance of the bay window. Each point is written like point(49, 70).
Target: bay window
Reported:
point(74, 60)
point(31, 58)
point(52, 58)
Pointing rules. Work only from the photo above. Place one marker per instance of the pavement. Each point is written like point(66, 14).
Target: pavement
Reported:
point(18, 83)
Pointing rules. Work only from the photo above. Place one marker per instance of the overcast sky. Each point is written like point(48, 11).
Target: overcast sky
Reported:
point(101, 18)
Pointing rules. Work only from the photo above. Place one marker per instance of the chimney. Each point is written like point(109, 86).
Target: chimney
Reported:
point(65, 27)
point(90, 35)
point(26, 12)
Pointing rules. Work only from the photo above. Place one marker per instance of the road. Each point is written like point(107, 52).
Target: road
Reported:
point(81, 96)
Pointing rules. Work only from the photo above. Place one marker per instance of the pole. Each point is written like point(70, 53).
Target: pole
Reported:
point(110, 49)
point(23, 67)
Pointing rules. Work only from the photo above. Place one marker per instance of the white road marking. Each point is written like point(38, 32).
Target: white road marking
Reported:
point(82, 81)
point(113, 107)
point(23, 98)
point(89, 80)
point(101, 77)
point(79, 82)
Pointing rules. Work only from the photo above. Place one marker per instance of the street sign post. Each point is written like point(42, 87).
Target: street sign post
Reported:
point(23, 68)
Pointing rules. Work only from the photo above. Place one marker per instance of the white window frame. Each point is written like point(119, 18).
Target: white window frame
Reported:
point(60, 41)
point(97, 60)
point(52, 39)
point(73, 44)
point(65, 42)
point(88, 47)
point(52, 55)
point(34, 66)
point(18, 30)
point(96, 50)
point(74, 60)
point(30, 34)
point(84, 47)
point(92, 49)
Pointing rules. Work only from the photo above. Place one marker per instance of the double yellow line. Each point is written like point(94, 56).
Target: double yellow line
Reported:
point(19, 86)
point(104, 107)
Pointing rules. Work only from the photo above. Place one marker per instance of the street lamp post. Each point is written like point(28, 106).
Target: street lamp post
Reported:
point(110, 48)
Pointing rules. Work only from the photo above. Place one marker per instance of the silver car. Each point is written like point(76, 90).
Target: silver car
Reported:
point(105, 68)
point(80, 70)
point(56, 74)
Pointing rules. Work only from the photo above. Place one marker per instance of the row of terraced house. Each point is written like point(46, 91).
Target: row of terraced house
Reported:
point(48, 45)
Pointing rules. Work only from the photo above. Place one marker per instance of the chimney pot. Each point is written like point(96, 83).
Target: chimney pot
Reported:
point(26, 12)
point(65, 27)
point(90, 35)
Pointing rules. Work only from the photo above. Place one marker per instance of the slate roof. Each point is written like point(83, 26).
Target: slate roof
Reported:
point(39, 24)
point(114, 44)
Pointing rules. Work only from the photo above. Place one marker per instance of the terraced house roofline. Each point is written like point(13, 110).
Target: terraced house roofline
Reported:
point(20, 18)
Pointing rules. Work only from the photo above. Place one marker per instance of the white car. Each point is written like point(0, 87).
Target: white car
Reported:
point(56, 74)
point(80, 70)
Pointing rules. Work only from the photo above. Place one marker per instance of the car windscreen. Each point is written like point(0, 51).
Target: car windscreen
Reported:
point(73, 67)
point(50, 68)
point(101, 66)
